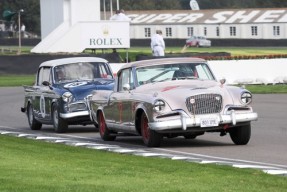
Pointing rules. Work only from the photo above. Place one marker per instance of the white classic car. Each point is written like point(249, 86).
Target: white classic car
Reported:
point(172, 97)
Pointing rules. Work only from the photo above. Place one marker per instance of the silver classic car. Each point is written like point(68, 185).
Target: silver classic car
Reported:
point(197, 41)
point(172, 97)
point(59, 95)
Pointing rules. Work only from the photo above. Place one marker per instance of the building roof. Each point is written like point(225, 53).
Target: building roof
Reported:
point(214, 16)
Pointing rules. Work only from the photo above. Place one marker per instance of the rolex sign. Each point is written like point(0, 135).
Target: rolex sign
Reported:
point(106, 34)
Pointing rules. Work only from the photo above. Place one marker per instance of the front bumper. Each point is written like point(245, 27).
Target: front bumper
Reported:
point(183, 121)
point(74, 114)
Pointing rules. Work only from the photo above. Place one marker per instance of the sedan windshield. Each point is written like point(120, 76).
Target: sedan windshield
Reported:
point(168, 72)
point(80, 71)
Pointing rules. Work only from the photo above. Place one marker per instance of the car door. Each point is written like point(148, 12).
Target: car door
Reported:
point(43, 94)
point(121, 101)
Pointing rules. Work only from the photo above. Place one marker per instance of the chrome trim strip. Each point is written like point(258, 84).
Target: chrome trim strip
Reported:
point(184, 121)
point(74, 114)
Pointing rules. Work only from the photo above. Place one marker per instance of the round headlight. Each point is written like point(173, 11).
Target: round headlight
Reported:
point(159, 105)
point(246, 98)
point(67, 97)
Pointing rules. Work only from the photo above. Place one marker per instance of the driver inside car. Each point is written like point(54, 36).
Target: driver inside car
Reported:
point(60, 75)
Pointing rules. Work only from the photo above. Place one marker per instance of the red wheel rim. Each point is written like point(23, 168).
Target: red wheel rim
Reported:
point(145, 128)
point(102, 124)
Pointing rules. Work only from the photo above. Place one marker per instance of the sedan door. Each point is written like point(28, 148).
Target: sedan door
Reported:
point(43, 95)
point(121, 102)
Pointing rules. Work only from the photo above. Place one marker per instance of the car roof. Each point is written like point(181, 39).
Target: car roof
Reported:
point(56, 62)
point(161, 61)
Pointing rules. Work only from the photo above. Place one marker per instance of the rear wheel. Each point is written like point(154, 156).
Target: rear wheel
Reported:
point(60, 125)
point(150, 137)
point(33, 123)
point(104, 131)
point(240, 135)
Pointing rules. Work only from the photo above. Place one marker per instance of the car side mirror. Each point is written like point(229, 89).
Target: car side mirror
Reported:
point(45, 83)
point(127, 87)
point(48, 84)
point(222, 81)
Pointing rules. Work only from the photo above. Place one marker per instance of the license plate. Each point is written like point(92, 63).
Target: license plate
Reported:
point(208, 122)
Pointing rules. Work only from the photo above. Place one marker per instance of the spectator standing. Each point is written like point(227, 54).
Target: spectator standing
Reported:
point(157, 44)
point(120, 16)
point(23, 28)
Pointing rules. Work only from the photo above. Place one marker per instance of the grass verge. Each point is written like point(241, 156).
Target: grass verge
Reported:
point(262, 89)
point(29, 165)
point(16, 80)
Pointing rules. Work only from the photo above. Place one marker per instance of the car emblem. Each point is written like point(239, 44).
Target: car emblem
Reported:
point(192, 100)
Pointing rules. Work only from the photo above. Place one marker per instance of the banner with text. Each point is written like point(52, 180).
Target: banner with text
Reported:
point(105, 34)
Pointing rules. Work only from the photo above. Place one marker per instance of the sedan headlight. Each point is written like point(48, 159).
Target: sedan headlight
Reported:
point(67, 97)
point(246, 98)
point(159, 105)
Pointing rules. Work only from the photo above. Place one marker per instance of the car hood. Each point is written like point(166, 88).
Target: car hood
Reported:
point(81, 88)
point(176, 92)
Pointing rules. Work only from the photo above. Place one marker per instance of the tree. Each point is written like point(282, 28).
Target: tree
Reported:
point(31, 15)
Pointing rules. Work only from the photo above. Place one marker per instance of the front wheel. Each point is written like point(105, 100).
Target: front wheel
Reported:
point(104, 131)
point(60, 125)
point(150, 137)
point(33, 123)
point(240, 135)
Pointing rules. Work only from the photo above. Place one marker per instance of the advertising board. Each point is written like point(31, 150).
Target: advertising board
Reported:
point(105, 34)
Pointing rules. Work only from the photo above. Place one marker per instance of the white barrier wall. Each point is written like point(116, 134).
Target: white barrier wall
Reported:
point(253, 71)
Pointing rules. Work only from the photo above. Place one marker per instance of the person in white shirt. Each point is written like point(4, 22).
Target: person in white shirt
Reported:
point(157, 44)
point(23, 27)
point(120, 16)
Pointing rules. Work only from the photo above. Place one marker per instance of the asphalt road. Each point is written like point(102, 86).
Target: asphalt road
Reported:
point(267, 145)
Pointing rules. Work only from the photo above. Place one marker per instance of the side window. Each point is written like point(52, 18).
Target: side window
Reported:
point(125, 78)
point(147, 32)
point(104, 71)
point(44, 75)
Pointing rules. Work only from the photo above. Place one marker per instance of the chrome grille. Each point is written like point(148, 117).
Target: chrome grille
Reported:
point(204, 103)
point(77, 107)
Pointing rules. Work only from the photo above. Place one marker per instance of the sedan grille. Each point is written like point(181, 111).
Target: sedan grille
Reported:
point(80, 106)
point(204, 104)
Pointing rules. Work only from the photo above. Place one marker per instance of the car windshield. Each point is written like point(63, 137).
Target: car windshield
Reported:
point(169, 72)
point(80, 71)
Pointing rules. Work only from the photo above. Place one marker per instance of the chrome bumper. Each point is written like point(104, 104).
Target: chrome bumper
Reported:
point(74, 114)
point(183, 120)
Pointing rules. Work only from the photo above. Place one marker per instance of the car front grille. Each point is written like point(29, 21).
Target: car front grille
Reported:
point(204, 104)
point(80, 106)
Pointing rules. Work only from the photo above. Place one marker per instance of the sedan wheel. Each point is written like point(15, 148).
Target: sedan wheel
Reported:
point(240, 135)
point(33, 123)
point(60, 125)
point(104, 131)
point(150, 137)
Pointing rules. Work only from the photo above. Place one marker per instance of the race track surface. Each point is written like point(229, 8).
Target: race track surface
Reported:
point(267, 146)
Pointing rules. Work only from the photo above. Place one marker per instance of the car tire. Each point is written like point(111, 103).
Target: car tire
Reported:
point(33, 123)
point(150, 137)
point(103, 129)
point(60, 125)
point(240, 135)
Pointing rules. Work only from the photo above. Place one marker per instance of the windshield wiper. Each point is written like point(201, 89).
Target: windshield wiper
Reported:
point(187, 77)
